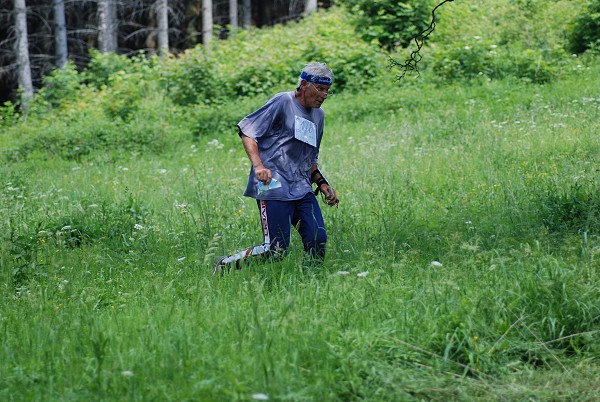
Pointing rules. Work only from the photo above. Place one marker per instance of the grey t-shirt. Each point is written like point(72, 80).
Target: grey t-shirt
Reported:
point(288, 137)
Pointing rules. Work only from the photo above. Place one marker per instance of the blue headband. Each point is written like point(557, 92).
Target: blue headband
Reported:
point(316, 79)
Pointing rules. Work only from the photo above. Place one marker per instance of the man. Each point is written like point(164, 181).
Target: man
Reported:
point(282, 140)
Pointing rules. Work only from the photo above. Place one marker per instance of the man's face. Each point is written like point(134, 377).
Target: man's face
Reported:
point(316, 94)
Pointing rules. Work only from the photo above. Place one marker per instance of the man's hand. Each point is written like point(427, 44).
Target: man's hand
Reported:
point(329, 194)
point(263, 174)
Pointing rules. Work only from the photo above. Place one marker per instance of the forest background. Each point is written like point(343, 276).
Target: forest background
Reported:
point(58, 30)
point(461, 262)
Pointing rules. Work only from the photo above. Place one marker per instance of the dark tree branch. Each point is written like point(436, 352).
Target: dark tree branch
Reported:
point(410, 64)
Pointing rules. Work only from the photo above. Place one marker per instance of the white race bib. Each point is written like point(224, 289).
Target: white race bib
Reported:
point(305, 131)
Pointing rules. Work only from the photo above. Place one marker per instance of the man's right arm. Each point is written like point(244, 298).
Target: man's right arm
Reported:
point(262, 173)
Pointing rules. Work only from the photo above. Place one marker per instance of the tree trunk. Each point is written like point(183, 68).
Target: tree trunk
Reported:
point(22, 52)
point(162, 11)
point(310, 6)
point(60, 33)
point(107, 26)
point(233, 13)
point(247, 13)
point(207, 23)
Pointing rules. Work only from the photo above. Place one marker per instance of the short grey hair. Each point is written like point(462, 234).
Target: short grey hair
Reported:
point(317, 69)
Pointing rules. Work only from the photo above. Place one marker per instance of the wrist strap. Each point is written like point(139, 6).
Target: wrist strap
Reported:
point(320, 180)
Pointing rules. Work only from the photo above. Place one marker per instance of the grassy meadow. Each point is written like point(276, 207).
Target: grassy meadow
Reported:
point(463, 260)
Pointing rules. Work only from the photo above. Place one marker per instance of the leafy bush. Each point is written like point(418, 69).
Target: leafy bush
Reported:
point(391, 23)
point(232, 69)
point(103, 66)
point(221, 119)
point(77, 139)
point(192, 79)
point(62, 85)
point(586, 32)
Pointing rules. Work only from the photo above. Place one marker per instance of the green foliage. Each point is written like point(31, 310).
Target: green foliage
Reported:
point(261, 62)
point(113, 226)
point(192, 79)
point(81, 139)
point(218, 120)
point(103, 66)
point(576, 209)
point(479, 58)
point(523, 39)
point(120, 104)
point(585, 34)
point(61, 86)
point(8, 114)
point(390, 23)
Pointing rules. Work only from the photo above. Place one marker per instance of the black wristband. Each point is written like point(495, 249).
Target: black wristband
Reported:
point(313, 174)
point(321, 180)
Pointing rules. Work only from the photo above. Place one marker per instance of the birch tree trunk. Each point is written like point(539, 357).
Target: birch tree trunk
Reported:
point(310, 6)
point(233, 13)
point(247, 13)
point(162, 11)
point(207, 23)
point(107, 26)
point(60, 33)
point(22, 52)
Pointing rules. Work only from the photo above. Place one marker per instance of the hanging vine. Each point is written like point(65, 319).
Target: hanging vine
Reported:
point(410, 64)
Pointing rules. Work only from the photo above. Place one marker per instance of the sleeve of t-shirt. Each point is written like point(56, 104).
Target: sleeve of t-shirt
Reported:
point(259, 123)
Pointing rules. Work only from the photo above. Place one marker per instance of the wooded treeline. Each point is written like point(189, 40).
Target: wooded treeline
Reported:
point(38, 35)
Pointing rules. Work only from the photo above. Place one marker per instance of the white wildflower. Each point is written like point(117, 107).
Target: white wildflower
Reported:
point(436, 264)
point(362, 274)
point(343, 273)
point(215, 143)
point(260, 397)
point(127, 373)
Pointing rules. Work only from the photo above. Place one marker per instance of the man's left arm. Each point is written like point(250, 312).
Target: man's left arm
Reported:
point(323, 185)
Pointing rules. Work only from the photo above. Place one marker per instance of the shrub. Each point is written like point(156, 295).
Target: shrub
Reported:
point(323, 36)
point(391, 23)
point(61, 85)
point(586, 31)
point(103, 65)
point(192, 79)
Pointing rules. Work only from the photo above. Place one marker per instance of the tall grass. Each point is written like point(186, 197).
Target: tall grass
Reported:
point(462, 262)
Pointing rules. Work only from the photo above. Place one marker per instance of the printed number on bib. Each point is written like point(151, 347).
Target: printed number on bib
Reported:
point(305, 131)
